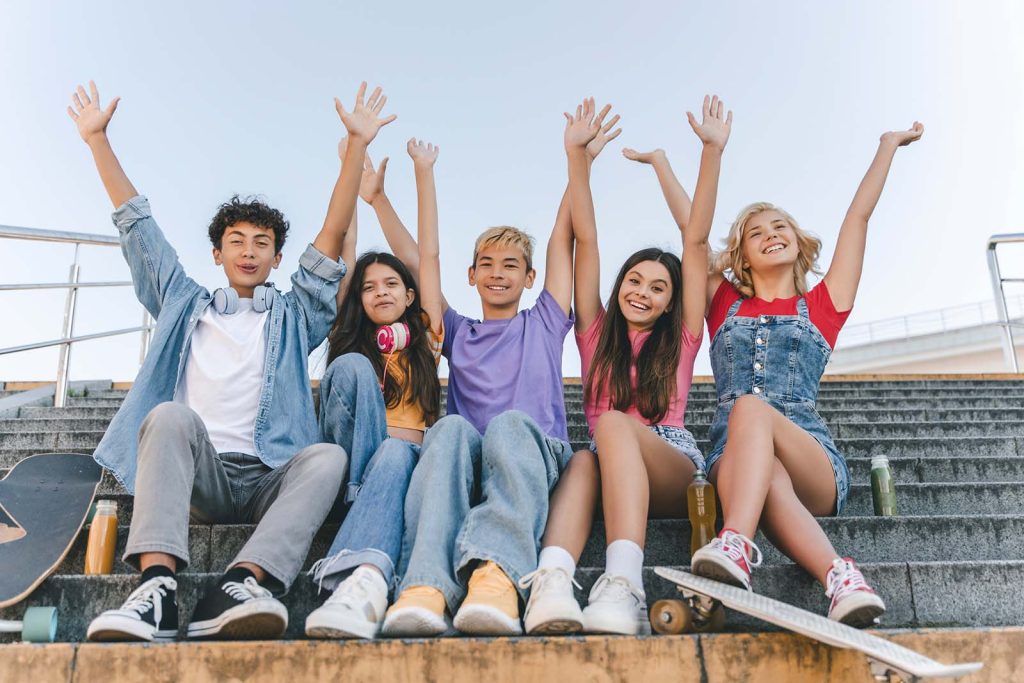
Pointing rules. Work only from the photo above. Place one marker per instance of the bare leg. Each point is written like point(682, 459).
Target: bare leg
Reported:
point(641, 476)
point(774, 473)
point(572, 505)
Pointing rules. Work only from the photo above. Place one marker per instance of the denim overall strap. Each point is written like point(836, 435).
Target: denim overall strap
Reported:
point(734, 308)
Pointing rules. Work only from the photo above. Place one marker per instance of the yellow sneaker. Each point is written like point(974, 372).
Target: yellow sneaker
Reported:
point(491, 607)
point(418, 611)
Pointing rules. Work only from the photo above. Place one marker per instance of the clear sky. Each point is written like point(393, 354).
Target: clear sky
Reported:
point(227, 97)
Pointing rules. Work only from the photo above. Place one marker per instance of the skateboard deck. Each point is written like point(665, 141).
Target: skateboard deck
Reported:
point(884, 656)
point(44, 501)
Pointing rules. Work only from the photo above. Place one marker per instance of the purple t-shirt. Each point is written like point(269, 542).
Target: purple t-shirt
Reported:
point(513, 364)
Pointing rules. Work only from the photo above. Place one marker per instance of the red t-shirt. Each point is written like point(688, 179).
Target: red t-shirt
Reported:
point(820, 308)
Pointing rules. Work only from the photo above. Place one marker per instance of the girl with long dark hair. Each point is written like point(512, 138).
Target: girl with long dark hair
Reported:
point(637, 359)
point(379, 394)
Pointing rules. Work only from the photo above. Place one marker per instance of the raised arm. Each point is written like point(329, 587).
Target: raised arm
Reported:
point(423, 157)
point(92, 122)
point(843, 276)
point(398, 237)
point(675, 196)
point(362, 124)
point(348, 246)
point(580, 131)
point(713, 132)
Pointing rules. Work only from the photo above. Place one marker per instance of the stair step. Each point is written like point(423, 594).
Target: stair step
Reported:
point(917, 594)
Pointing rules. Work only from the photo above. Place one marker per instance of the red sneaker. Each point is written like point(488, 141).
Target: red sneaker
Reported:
point(726, 559)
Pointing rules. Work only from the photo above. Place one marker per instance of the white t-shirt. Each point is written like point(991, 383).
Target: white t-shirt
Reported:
point(224, 373)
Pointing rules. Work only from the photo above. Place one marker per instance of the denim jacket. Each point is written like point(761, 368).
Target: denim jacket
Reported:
point(299, 322)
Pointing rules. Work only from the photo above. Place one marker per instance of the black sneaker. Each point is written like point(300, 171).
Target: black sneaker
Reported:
point(149, 614)
point(238, 609)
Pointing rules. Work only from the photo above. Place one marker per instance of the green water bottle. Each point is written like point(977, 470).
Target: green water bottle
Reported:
point(883, 488)
point(700, 503)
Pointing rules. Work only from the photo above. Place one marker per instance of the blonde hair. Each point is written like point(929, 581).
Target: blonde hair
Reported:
point(730, 259)
point(505, 236)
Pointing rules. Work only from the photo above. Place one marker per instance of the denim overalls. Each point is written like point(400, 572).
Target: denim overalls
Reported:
point(779, 359)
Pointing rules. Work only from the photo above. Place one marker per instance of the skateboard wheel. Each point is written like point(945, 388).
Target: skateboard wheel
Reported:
point(672, 617)
point(39, 625)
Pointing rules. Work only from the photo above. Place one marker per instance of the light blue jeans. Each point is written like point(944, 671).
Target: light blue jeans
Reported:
point(353, 416)
point(478, 498)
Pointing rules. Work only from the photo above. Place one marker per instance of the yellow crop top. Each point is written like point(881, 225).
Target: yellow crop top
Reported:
point(407, 414)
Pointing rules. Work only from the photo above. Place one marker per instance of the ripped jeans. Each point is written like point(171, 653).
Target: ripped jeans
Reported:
point(352, 415)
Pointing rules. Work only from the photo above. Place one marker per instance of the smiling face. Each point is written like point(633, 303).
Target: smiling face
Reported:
point(645, 294)
point(769, 242)
point(248, 255)
point(384, 294)
point(500, 274)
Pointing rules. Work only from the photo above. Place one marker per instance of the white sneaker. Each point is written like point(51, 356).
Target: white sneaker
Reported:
point(854, 603)
point(149, 614)
point(616, 606)
point(552, 607)
point(354, 610)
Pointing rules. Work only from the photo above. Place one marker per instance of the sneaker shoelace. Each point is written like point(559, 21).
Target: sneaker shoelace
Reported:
point(149, 596)
point(735, 545)
point(490, 580)
point(547, 579)
point(615, 589)
point(843, 579)
point(247, 590)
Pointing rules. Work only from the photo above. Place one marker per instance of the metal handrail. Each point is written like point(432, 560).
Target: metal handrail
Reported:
point(71, 301)
point(1009, 349)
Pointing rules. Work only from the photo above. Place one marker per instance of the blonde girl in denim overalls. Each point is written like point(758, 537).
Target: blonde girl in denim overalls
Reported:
point(772, 458)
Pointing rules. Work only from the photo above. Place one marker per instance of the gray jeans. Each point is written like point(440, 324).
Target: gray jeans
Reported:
point(180, 475)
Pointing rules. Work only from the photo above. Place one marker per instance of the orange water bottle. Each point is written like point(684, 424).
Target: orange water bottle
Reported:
point(700, 500)
point(99, 552)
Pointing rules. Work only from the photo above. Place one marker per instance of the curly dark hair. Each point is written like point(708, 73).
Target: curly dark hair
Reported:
point(251, 210)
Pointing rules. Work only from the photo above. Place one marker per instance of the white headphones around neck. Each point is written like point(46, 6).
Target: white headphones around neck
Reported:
point(225, 299)
point(393, 337)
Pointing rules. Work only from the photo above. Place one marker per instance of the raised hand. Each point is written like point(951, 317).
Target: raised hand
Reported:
point(584, 127)
point(87, 114)
point(902, 138)
point(372, 183)
point(423, 154)
point(715, 127)
point(364, 120)
point(603, 137)
point(652, 157)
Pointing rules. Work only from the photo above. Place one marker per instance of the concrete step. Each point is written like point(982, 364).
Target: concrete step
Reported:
point(707, 658)
point(868, 539)
point(16, 447)
point(917, 594)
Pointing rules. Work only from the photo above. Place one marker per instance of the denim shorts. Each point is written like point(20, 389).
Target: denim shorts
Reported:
point(677, 437)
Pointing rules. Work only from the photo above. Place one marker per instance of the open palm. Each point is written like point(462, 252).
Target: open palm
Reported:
point(364, 120)
point(715, 126)
point(87, 114)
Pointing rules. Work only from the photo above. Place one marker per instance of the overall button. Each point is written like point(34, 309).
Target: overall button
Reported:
point(764, 318)
point(757, 366)
point(759, 341)
point(757, 390)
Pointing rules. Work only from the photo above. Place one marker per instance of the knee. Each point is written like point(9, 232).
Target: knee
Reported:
point(747, 409)
point(350, 366)
point(511, 424)
point(612, 422)
point(324, 462)
point(169, 416)
point(451, 439)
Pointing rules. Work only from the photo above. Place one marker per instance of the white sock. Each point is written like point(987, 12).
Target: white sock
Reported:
point(554, 557)
point(625, 558)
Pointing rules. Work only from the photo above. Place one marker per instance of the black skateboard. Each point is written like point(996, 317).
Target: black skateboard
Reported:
point(44, 502)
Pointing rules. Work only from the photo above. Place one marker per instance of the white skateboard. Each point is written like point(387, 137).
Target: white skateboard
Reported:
point(702, 611)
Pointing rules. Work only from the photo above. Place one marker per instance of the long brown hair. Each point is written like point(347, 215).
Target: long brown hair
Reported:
point(658, 359)
point(354, 332)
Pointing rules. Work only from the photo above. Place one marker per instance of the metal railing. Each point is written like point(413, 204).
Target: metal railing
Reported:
point(1005, 321)
point(71, 301)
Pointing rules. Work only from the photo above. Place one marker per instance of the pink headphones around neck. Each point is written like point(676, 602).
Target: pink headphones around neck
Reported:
point(393, 337)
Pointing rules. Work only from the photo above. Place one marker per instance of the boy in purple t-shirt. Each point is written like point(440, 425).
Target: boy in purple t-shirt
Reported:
point(478, 500)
